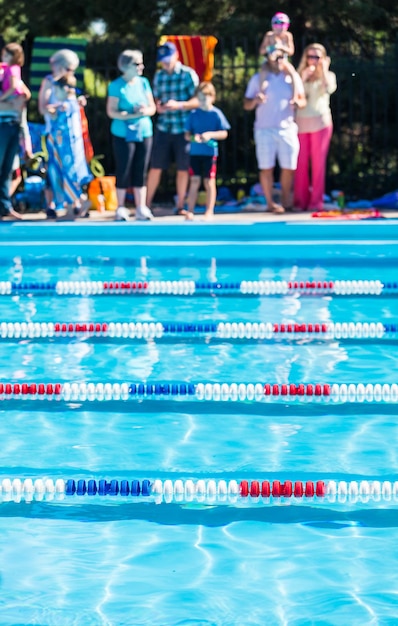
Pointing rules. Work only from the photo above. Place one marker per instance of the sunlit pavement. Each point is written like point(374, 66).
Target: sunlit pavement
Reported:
point(166, 215)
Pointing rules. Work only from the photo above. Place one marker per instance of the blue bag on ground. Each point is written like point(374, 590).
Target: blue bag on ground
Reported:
point(388, 201)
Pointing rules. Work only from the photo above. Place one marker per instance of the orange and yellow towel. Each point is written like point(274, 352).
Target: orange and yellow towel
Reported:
point(196, 51)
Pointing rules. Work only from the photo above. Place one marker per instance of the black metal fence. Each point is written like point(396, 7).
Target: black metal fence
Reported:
point(363, 158)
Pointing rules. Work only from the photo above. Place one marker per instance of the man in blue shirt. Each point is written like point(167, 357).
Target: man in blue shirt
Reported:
point(174, 87)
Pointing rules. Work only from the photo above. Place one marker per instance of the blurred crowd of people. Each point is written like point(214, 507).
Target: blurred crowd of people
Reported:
point(292, 128)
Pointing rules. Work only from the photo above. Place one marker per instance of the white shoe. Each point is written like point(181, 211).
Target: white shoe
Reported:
point(122, 214)
point(143, 213)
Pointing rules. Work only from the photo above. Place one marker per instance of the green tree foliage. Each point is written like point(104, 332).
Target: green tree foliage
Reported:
point(350, 19)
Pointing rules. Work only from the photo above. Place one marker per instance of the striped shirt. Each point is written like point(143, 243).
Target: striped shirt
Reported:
point(180, 85)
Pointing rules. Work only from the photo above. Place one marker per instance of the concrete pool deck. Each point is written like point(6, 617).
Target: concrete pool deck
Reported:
point(165, 215)
point(261, 234)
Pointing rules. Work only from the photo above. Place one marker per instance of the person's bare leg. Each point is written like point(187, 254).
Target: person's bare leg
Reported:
point(267, 182)
point(14, 184)
point(194, 184)
point(211, 195)
point(182, 180)
point(152, 183)
point(286, 180)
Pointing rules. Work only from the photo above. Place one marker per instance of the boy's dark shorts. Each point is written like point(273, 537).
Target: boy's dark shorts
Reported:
point(204, 166)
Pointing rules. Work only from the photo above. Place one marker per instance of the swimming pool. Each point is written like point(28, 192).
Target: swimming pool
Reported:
point(200, 341)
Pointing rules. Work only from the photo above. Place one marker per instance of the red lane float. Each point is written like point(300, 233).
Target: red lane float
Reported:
point(278, 489)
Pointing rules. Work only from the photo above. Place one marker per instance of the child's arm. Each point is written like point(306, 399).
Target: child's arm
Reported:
point(218, 135)
point(197, 138)
point(26, 91)
point(288, 44)
point(268, 40)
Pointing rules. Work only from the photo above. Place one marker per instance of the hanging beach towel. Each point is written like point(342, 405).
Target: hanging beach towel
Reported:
point(196, 51)
point(88, 146)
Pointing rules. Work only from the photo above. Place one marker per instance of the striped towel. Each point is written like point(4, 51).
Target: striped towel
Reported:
point(196, 51)
point(44, 48)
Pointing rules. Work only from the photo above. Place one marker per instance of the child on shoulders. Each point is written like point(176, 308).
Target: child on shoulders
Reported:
point(205, 127)
point(279, 36)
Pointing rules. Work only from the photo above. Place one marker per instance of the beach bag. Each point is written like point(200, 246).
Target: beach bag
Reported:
point(32, 196)
point(102, 192)
point(388, 201)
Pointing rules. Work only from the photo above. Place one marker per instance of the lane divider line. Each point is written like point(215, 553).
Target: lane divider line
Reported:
point(190, 287)
point(220, 491)
point(220, 330)
point(201, 391)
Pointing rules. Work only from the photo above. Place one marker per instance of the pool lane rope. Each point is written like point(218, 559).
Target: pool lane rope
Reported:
point(190, 287)
point(211, 491)
point(200, 391)
point(220, 330)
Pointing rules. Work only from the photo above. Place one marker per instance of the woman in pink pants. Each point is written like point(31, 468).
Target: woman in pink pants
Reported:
point(315, 128)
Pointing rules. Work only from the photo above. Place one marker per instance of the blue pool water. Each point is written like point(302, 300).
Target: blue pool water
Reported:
point(112, 561)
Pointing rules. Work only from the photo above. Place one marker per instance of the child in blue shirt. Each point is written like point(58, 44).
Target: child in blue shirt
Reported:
point(205, 126)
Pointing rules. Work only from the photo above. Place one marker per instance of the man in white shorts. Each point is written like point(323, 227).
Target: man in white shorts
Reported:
point(273, 93)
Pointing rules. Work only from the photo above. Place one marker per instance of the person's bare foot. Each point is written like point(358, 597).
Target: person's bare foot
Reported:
point(13, 213)
point(277, 209)
point(189, 216)
point(207, 217)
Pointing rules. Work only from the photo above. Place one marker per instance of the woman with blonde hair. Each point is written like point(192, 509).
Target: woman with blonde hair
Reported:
point(315, 127)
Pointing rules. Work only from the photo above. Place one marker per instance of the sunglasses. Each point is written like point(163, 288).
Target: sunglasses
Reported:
point(279, 22)
point(313, 56)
